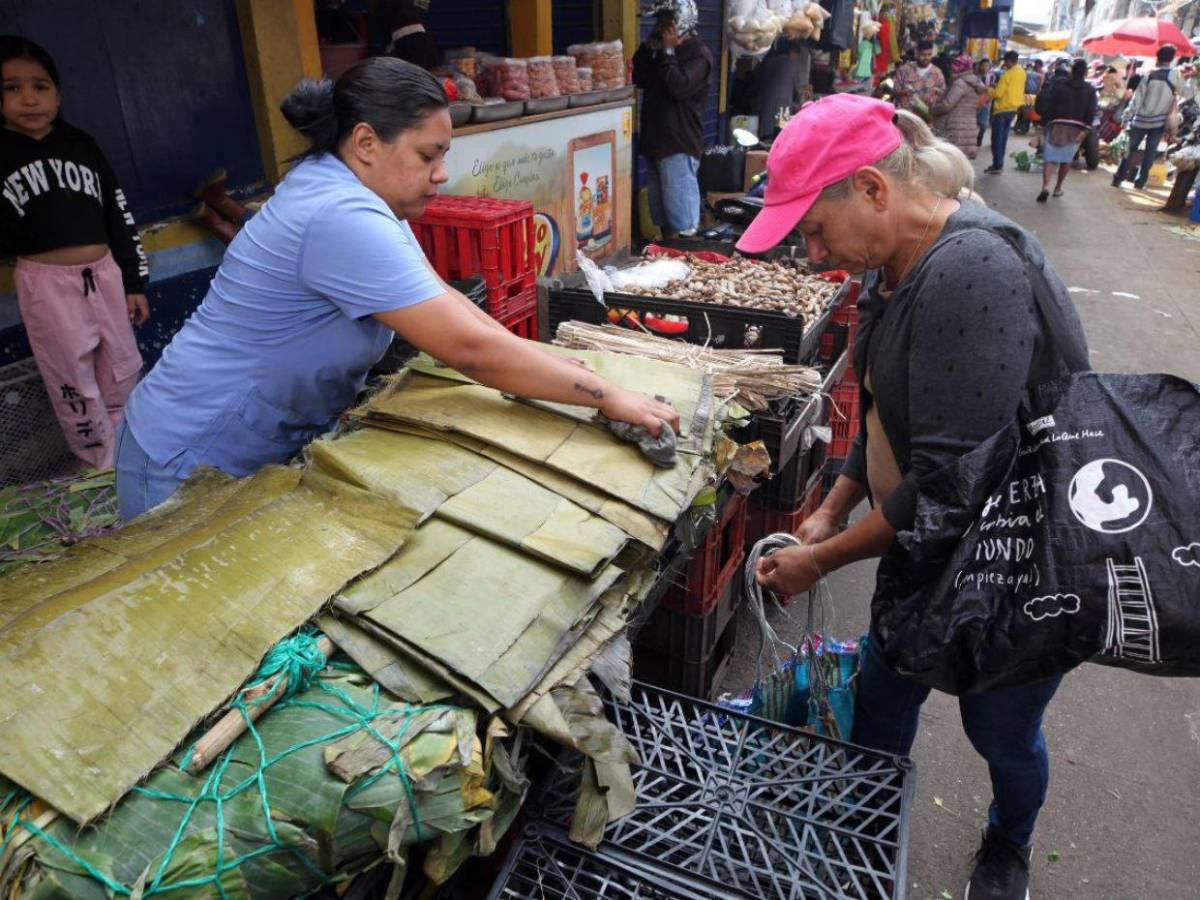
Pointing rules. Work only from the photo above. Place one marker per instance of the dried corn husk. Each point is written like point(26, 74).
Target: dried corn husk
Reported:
point(752, 377)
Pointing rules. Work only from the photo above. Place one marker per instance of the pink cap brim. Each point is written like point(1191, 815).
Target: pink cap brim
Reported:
point(774, 223)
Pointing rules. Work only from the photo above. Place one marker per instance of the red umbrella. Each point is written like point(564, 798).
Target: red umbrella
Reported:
point(1137, 37)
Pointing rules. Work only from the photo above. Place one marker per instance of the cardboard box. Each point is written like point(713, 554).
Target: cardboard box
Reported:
point(756, 162)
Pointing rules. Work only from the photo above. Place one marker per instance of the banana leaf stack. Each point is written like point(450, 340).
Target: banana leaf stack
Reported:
point(329, 783)
point(475, 556)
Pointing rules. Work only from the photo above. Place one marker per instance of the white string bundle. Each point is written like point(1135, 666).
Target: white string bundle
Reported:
point(820, 596)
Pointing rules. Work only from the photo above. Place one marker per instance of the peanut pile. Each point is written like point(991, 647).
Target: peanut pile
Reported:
point(751, 284)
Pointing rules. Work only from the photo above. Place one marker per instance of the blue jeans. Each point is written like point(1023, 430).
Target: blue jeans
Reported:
point(1004, 726)
point(1151, 136)
point(1001, 126)
point(675, 193)
point(142, 483)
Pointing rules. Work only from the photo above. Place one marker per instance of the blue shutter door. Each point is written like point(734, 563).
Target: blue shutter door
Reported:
point(574, 23)
point(160, 86)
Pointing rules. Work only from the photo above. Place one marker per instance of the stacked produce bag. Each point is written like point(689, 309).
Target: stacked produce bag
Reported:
point(472, 557)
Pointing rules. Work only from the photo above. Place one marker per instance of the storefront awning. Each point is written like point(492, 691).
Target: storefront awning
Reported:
point(1041, 40)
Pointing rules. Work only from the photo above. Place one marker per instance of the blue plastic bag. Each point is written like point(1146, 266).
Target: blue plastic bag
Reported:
point(813, 685)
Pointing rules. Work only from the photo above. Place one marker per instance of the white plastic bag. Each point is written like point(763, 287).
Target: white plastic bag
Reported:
point(597, 279)
point(654, 274)
point(752, 27)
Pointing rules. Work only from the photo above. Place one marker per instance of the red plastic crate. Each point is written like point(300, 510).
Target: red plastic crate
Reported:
point(843, 418)
point(762, 519)
point(524, 324)
point(484, 236)
point(697, 591)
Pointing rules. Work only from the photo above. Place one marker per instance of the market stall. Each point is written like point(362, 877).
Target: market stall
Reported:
point(575, 165)
point(555, 130)
point(363, 705)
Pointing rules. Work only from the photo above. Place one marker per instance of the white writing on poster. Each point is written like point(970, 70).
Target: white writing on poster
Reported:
point(506, 174)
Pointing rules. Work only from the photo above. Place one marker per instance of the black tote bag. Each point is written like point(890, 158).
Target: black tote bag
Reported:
point(1072, 534)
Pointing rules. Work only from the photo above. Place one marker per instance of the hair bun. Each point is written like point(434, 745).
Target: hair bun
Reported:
point(309, 108)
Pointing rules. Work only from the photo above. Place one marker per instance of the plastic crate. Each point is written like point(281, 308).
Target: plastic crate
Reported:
point(785, 490)
point(488, 237)
point(698, 676)
point(782, 429)
point(524, 324)
point(32, 444)
point(544, 865)
point(845, 319)
point(834, 342)
point(844, 418)
point(766, 810)
point(696, 590)
point(689, 638)
point(763, 519)
point(720, 326)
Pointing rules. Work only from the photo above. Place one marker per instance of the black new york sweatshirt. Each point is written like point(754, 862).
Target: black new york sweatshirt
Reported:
point(60, 191)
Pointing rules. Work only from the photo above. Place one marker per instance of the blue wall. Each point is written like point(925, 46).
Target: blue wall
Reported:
point(161, 86)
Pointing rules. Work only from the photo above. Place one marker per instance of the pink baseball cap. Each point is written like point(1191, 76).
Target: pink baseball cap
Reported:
point(828, 140)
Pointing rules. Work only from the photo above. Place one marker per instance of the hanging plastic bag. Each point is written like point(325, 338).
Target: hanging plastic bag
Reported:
point(752, 27)
point(813, 684)
point(1072, 534)
point(597, 279)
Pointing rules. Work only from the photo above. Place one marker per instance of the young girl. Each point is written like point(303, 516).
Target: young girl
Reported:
point(81, 271)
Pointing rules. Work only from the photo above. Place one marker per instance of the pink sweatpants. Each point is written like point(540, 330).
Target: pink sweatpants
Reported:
point(77, 320)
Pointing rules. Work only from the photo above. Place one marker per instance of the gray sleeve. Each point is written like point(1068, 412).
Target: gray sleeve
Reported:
point(973, 332)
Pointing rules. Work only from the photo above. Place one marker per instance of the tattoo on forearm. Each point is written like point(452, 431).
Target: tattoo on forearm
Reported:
point(596, 394)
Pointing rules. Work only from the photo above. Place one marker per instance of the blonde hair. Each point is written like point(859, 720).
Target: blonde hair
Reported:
point(922, 159)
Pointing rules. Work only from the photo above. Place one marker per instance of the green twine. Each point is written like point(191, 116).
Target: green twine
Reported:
point(301, 658)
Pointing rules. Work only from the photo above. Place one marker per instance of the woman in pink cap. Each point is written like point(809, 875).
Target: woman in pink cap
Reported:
point(948, 340)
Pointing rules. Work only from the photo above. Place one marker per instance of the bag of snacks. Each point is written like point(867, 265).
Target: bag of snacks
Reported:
point(566, 74)
point(542, 80)
point(606, 59)
point(584, 77)
point(463, 59)
point(507, 78)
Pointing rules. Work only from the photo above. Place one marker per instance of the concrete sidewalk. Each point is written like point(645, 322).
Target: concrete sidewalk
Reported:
point(1123, 818)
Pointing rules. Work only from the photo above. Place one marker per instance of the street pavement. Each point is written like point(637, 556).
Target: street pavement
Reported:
point(1122, 821)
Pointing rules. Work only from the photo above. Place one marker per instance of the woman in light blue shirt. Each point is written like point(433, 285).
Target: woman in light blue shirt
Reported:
point(314, 287)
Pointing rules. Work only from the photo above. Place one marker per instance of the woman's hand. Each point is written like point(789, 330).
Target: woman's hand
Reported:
point(818, 527)
point(789, 571)
point(139, 309)
point(621, 405)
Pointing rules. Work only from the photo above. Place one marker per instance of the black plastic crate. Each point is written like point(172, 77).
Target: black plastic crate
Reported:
point(672, 640)
point(690, 670)
point(545, 865)
point(721, 326)
point(766, 810)
point(791, 464)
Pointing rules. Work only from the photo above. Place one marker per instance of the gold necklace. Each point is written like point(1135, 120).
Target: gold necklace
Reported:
point(913, 256)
